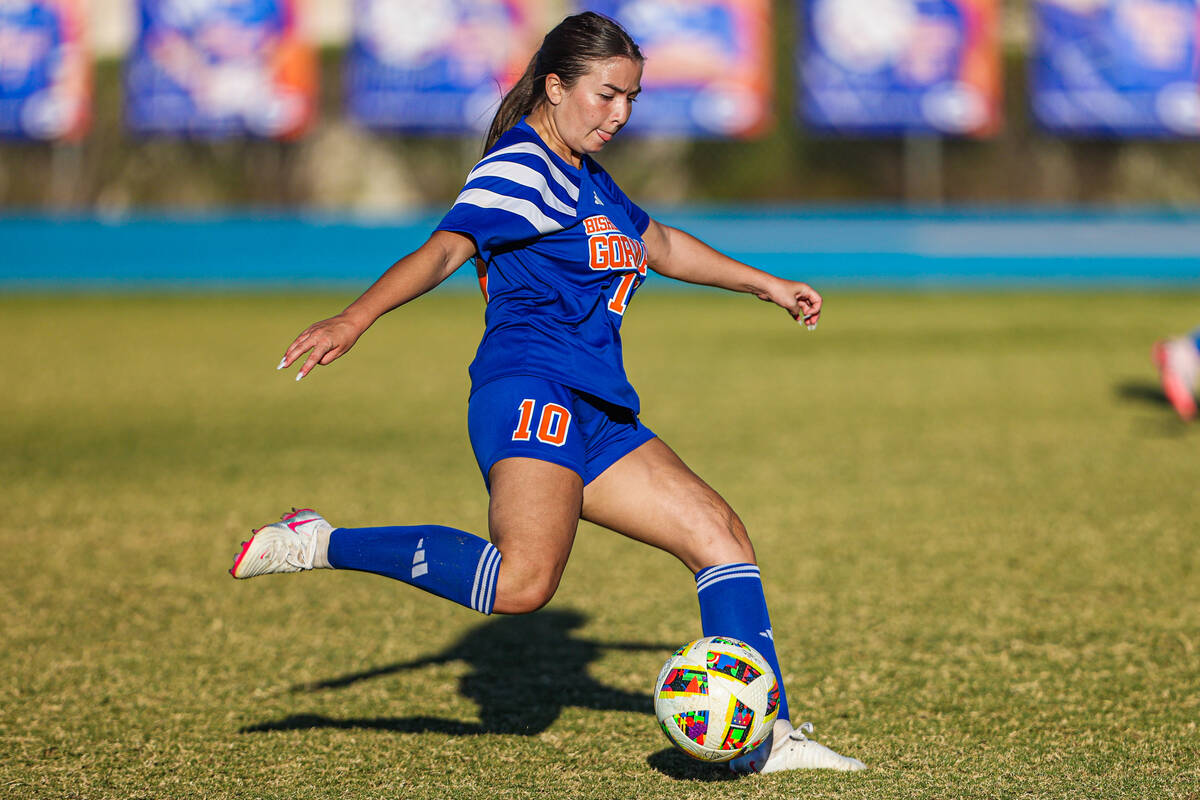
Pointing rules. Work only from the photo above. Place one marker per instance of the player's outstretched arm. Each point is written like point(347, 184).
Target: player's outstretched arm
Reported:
point(409, 278)
point(680, 255)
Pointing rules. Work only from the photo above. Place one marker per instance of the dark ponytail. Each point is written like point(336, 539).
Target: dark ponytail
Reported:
point(568, 51)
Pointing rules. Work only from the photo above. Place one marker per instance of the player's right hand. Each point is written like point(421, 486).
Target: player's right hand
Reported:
point(327, 340)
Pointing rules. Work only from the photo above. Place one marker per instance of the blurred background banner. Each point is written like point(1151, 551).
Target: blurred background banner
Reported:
point(1117, 67)
point(708, 65)
point(439, 66)
point(45, 71)
point(900, 66)
point(219, 68)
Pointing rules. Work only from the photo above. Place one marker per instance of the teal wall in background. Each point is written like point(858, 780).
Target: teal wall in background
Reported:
point(824, 247)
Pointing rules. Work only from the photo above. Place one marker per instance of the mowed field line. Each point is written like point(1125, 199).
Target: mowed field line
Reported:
point(975, 515)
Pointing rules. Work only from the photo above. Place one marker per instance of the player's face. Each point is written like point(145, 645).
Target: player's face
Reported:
point(591, 112)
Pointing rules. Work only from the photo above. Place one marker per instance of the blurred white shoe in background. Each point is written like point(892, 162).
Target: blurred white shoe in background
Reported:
point(1178, 363)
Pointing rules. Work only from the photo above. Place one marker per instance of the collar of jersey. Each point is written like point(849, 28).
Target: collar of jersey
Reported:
point(526, 128)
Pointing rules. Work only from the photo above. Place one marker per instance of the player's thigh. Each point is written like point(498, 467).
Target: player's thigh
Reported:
point(532, 519)
point(650, 495)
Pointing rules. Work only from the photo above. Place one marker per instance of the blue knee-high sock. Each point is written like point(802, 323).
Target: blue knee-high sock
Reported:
point(732, 604)
point(450, 563)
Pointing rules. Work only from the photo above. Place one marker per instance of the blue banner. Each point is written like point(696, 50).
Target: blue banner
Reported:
point(438, 66)
point(1116, 67)
point(217, 68)
point(900, 66)
point(708, 65)
point(45, 76)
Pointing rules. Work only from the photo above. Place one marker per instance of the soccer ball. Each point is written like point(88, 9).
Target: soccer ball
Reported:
point(716, 698)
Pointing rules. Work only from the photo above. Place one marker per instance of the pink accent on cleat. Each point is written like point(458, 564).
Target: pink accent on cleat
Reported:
point(241, 555)
point(294, 523)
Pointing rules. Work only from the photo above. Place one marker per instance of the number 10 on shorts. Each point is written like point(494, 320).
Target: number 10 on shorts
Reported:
point(552, 425)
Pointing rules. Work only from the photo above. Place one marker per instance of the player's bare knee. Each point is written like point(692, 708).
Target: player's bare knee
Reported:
point(523, 598)
point(718, 535)
point(525, 585)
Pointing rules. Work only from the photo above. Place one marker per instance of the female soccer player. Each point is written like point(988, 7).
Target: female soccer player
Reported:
point(553, 421)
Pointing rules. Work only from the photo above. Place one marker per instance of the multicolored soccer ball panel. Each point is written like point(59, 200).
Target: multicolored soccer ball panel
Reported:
point(716, 698)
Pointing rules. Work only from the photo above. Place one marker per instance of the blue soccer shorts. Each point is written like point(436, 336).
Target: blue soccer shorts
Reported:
point(537, 418)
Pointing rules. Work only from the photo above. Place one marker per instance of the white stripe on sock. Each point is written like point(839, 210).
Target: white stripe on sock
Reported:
point(495, 579)
point(721, 572)
point(715, 581)
point(718, 574)
point(479, 570)
point(488, 587)
point(721, 568)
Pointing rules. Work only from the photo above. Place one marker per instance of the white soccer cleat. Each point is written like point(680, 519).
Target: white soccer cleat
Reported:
point(289, 545)
point(790, 748)
point(1178, 364)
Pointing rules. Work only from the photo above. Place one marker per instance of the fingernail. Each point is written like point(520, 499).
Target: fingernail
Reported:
point(282, 361)
point(300, 375)
point(812, 327)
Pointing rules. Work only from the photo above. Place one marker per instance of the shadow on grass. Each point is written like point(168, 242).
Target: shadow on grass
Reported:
point(306, 722)
point(674, 764)
point(1147, 392)
point(1166, 423)
point(524, 671)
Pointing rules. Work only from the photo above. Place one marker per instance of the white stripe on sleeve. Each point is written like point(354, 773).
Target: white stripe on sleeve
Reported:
point(513, 205)
point(529, 148)
point(524, 176)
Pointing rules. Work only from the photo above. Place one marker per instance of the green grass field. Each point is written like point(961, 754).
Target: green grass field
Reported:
point(977, 518)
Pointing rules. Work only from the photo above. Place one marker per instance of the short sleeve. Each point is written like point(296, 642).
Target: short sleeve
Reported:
point(639, 218)
point(516, 193)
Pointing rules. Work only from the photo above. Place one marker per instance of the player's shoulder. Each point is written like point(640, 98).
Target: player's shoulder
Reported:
point(521, 132)
point(521, 145)
point(519, 179)
point(520, 166)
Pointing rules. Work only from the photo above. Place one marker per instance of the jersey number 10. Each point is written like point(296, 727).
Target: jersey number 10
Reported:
point(552, 427)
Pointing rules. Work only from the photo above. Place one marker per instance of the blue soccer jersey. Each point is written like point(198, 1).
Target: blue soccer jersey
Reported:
point(563, 253)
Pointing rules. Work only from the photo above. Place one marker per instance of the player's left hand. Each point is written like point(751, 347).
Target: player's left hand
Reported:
point(799, 299)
